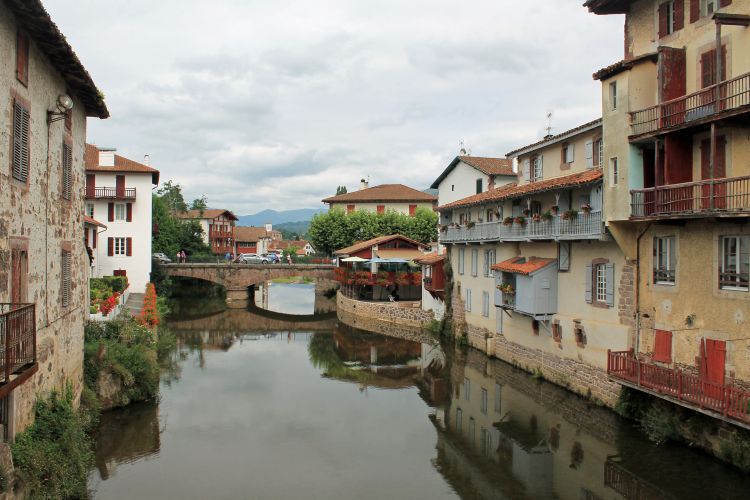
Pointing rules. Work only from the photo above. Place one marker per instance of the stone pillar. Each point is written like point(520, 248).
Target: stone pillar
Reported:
point(237, 298)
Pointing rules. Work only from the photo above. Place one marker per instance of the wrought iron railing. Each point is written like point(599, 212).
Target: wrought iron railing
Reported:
point(713, 195)
point(111, 192)
point(17, 339)
point(726, 96)
point(582, 226)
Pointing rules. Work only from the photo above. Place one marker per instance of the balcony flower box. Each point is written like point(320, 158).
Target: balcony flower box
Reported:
point(569, 214)
point(508, 221)
point(520, 220)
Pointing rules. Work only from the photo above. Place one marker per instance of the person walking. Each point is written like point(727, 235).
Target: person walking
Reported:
point(289, 258)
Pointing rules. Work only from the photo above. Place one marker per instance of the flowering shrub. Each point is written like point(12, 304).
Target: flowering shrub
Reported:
point(107, 305)
point(416, 279)
point(402, 279)
point(149, 314)
point(383, 278)
point(362, 278)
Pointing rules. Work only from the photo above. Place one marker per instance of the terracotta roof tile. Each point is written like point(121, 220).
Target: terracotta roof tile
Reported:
point(209, 213)
point(510, 191)
point(92, 221)
point(522, 265)
point(122, 164)
point(362, 245)
point(557, 137)
point(489, 166)
point(384, 192)
point(430, 259)
point(250, 233)
point(623, 65)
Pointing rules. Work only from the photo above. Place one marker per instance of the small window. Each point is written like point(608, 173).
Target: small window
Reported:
point(453, 187)
point(90, 209)
point(613, 171)
point(66, 278)
point(483, 401)
point(600, 283)
point(598, 152)
point(568, 153)
point(613, 96)
point(489, 261)
point(563, 256)
point(537, 169)
point(600, 276)
point(67, 171)
point(120, 246)
point(22, 58)
point(467, 388)
point(735, 263)
point(120, 212)
point(21, 151)
point(479, 186)
point(665, 260)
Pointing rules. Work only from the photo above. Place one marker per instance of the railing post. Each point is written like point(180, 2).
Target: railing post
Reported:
point(638, 371)
point(609, 361)
point(725, 398)
point(679, 384)
point(8, 329)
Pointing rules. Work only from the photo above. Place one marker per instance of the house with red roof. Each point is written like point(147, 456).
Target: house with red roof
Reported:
point(383, 198)
point(118, 192)
point(257, 240)
point(469, 175)
point(218, 227)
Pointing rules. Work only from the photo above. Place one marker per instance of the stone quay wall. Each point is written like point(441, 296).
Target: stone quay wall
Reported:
point(389, 312)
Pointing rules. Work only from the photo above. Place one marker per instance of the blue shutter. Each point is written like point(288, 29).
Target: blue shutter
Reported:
point(589, 270)
point(610, 268)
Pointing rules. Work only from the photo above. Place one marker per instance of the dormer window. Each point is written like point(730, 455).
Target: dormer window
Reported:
point(536, 169)
point(479, 186)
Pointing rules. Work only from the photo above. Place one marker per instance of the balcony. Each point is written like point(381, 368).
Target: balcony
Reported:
point(714, 197)
point(583, 226)
point(17, 345)
point(728, 98)
point(719, 400)
point(217, 235)
point(111, 193)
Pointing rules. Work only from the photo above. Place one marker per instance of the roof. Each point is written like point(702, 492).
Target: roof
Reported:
point(549, 140)
point(122, 164)
point(363, 245)
point(608, 6)
point(511, 191)
point(522, 265)
point(430, 259)
point(384, 192)
point(489, 166)
point(284, 244)
point(624, 65)
point(209, 213)
point(249, 233)
point(38, 24)
point(93, 222)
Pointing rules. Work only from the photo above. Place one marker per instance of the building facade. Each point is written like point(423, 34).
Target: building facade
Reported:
point(48, 96)
point(118, 191)
point(256, 240)
point(218, 228)
point(383, 198)
point(469, 175)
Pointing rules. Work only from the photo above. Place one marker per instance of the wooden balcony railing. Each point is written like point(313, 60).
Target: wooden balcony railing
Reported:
point(690, 390)
point(730, 195)
point(17, 342)
point(216, 235)
point(726, 96)
point(111, 193)
point(583, 226)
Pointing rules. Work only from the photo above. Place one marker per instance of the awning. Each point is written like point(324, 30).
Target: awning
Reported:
point(354, 259)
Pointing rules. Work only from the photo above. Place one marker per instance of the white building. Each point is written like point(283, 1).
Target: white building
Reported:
point(470, 175)
point(118, 192)
point(218, 228)
point(383, 198)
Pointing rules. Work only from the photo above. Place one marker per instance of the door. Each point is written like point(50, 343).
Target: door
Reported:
point(90, 186)
point(120, 186)
point(712, 369)
point(720, 190)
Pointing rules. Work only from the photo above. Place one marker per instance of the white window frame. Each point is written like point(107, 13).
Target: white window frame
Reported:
point(537, 169)
point(121, 212)
point(664, 247)
point(119, 248)
point(613, 96)
point(742, 247)
point(614, 171)
point(90, 210)
point(670, 17)
point(600, 283)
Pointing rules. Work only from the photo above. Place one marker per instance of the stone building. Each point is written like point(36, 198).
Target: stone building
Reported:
point(43, 261)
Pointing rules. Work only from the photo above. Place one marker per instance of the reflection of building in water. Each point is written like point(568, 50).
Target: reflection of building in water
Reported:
point(127, 435)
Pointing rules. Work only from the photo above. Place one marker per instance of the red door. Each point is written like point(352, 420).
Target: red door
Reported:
point(712, 369)
point(90, 186)
point(120, 186)
point(720, 172)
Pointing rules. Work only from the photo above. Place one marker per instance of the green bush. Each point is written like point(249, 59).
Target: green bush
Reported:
point(736, 450)
point(54, 455)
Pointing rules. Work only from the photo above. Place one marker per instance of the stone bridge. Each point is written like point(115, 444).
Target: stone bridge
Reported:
point(237, 279)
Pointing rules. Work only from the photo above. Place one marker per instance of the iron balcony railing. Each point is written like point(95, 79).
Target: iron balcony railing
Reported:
point(730, 195)
point(111, 193)
point(726, 96)
point(583, 226)
point(17, 339)
point(690, 390)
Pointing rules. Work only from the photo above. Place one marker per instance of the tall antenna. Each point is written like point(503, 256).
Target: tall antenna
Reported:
point(462, 147)
point(549, 124)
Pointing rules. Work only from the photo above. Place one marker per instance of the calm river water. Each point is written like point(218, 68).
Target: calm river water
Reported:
point(259, 405)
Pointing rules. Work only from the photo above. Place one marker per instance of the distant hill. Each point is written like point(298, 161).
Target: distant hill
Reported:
point(276, 217)
point(291, 228)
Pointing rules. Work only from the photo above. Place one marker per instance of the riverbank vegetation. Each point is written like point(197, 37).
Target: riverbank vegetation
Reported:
point(172, 234)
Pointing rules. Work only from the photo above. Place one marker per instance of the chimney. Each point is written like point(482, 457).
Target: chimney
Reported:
point(146, 160)
point(363, 184)
point(269, 227)
point(107, 157)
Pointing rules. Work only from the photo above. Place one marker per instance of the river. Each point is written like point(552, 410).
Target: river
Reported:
point(260, 405)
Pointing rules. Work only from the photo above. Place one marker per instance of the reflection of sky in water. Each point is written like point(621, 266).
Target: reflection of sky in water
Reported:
point(288, 298)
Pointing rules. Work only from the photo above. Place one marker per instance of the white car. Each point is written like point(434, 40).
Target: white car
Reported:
point(161, 258)
point(251, 258)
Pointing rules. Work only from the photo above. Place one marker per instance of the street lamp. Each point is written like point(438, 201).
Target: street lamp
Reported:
point(64, 104)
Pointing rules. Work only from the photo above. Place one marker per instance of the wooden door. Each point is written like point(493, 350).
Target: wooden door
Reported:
point(713, 359)
point(720, 172)
point(120, 186)
point(90, 185)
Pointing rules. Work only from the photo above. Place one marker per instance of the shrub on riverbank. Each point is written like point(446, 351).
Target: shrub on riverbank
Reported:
point(54, 455)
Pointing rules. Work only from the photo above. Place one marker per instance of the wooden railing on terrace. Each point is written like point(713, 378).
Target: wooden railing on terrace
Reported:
point(728, 400)
point(714, 195)
point(215, 235)
point(627, 484)
point(17, 339)
point(583, 226)
point(111, 192)
point(732, 94)
point(382, 278)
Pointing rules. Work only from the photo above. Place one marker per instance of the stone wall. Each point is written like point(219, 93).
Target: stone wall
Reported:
point(388, 312)
point(413, 333)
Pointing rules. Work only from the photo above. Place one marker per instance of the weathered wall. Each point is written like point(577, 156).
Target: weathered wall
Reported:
point(388, 312)
point(373, 207)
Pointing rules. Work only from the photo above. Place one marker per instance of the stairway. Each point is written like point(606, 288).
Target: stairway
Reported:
point(135, 303)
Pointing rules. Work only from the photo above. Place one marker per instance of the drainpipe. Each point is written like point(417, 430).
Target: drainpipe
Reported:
point(638, 289)
point(46, 229)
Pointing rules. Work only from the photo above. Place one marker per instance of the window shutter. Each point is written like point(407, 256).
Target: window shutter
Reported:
point(485, 304)
point(110, 211)
point(527, 170)
point(474, 261)
point(67, 173)
point(129, 212)
point(461, 260)
point(94, 237)
point(695, 10)
point(22, 58)
point(610, 269)
point(679, 14)
point(663, 346)
point(468, 300)
point(21, 156)
point(110, 246)
point(128, 247)
point(66, 279)
point(563, 263)
point(663, 19)
point(589, 270)
point(589, 154)
point(486, 268)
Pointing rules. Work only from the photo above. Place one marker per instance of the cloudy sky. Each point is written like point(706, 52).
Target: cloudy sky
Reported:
point(272, 104)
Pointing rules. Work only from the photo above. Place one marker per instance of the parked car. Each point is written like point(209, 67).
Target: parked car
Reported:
point(273, 258)
point(161, 258)
point(251, 258)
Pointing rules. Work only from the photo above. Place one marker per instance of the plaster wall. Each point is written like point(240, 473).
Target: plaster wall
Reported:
point(461, 182)
point(553, 165)
point(373, 207)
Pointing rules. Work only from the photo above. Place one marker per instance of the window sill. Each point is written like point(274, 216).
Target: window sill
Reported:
point(734, 289)
point(600, 305)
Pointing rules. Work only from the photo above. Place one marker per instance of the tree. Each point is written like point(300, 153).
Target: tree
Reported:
point(172, 196)
point(200, 204)
point(171, 234)
point(340, 190)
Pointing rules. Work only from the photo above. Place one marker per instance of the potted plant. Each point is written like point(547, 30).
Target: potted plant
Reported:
point(507, 289)
point(520, 220)
point(547, 216)
point(526, 212)
point(470, 224)
point(586, 208)
point(508, 221)
point(570, 214)
point(536, 217)
point(555, 209)
point(443, 228)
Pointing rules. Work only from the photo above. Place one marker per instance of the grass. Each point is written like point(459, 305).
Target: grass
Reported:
point(293, 280)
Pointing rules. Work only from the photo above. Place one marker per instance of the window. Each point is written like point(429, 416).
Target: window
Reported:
point(735, 263)
point(483, 401)
point(600, 274)
point(613, 171)
point(474, 261)
point(598, 152)
point(708, 66)
point(600, 281)
point(486, 304)
point(663, 346)
point(349, 209)
point(671, 17)
point(65, 278)
point(490, 215)
point(459, 419)
point(461, 260)
point(467, 306)
point(467, 388)
point(479, 186)
point(453, 187)
point(412, 210)
point(708, 7)
point(120, 246)
point(567, 153)
point(22, 58)
point(537, 169)
point(665, 260)
point(489, 261)
point(90, 209)
point(120, 212)
point(535, 208)
point(613, 96)
point(381, 209)
point(21, 156)
point(67, 171)
point(563, 256)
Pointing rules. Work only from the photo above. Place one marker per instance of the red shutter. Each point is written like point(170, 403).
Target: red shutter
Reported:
point(129, 212)
point(22, 58)
point(349, 209)
point(679, 14)
point(663, 346)
point(110, 212)
point(94, 237)
point(110, 246)
point(412, 210)
point(724, 3)
point(695, 10)
point(663, 19)
point(129, 246)
point(120, 186)
point(381, 209)
point(90, 185)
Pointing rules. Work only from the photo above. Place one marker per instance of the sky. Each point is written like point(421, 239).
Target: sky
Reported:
point(272, 104)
